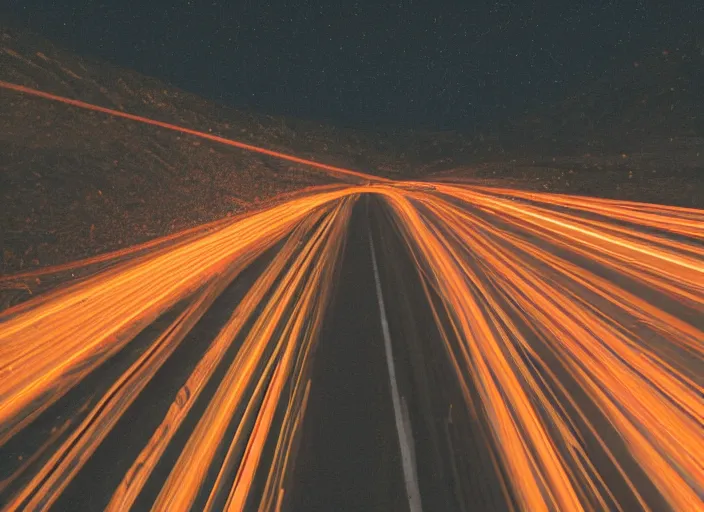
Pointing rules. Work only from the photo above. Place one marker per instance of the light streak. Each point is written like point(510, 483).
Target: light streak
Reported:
point(577, 320)
point(488, 283)
point(331, 169)
point(525, 313)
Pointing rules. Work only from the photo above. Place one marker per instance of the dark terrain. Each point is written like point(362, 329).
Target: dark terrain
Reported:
point(76, 183)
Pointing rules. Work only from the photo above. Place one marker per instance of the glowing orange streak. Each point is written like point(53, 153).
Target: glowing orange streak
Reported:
point(489, 258)
point(477, 270)
point(630, 235)
point(677, 491)
point(304, 307)
point(681, 332)
point(222, 140)
point(186, 476)
point(282, 453)
point(654, 314)
point(255, 445)
point(138, 252)
point(573, 445)
point(658, 263)
point(489, 366)
point(550, 470)
point(563, 430)
point(460, 371)
point(263, 415)
point(296, 408)
point(684, 221)
point(660, 419)
point(164, 243)
point(322, 295)
point(680, 212)
point(252, 229)
point(95, 320)
point(625, 347)
point(672, 284)
point(108, 415)
point(245, 474)
point(534, 214)
point(57, 473)
point(141, 469)
point(120, 253)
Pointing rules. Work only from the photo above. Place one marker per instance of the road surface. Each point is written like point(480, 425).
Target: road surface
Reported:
point(385, 347)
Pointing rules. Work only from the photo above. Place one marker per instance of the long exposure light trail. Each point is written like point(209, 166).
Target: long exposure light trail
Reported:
point(337, 171)
point(656, 409)
point(573, 327)
point(85, 326)
point(579, 376)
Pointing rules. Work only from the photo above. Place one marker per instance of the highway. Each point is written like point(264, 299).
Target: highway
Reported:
point(546, 353)
point(384, 346)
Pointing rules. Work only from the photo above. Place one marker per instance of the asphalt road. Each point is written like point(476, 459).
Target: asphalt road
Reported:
point(350, 456)
point(384, 421)
point(93, 486)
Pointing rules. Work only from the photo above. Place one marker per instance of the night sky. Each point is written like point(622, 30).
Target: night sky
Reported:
point(419, 64)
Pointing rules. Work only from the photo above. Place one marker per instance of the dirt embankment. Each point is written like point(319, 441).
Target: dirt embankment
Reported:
point(75, 183)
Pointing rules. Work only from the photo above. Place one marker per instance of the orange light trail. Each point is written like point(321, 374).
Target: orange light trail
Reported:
point(528, 321)
point(331, 169)
point(576, 321)
point(489, 278)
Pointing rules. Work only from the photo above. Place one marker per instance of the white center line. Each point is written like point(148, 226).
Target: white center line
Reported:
point(403, 426)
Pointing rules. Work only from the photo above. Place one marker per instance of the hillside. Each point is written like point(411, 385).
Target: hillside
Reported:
point(631, 106)
point(75, 183)
point(635, 132)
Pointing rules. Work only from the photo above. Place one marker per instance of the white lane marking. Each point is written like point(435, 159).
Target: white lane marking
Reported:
point(403, 426)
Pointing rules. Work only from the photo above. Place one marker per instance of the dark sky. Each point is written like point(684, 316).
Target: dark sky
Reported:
point(435, 64)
